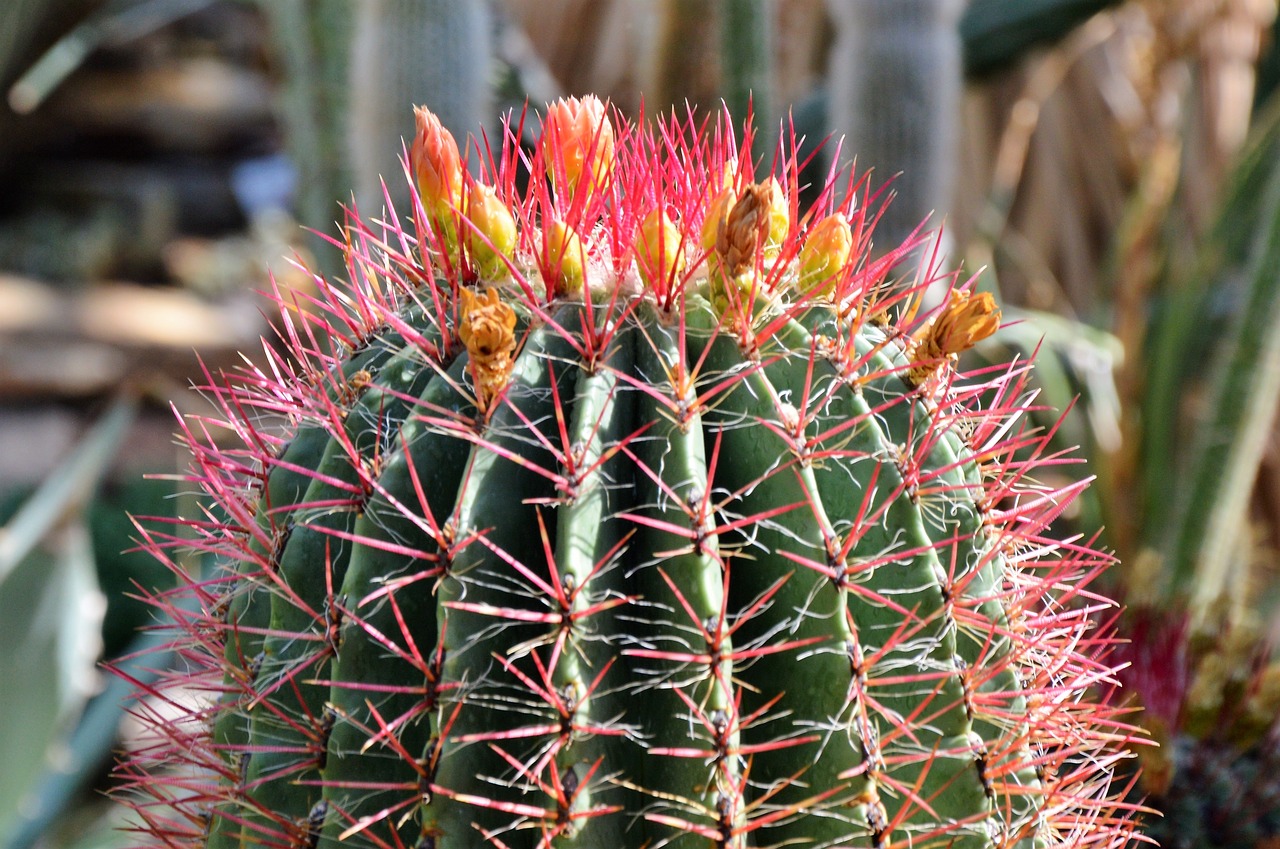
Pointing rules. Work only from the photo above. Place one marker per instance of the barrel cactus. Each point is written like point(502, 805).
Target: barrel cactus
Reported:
point(631, 508)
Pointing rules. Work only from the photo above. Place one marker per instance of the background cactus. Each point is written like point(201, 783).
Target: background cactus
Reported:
point(895, 86)
point(697, 556)
point(350, 71)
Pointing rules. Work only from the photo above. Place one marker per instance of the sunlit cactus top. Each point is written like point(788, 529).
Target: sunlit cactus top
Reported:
point(617, 500)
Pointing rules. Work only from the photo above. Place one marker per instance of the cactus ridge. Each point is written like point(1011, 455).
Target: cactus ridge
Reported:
point(719, 563)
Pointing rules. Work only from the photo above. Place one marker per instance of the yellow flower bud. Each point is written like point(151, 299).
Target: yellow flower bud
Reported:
point(659, 249)
point(824, 254)
point(577, 138)
point(491, 234)
point(779, 217)
point(436, 165)
point(566, 259)
point(717, 217)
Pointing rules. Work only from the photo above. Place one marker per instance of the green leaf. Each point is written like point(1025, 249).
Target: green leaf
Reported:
point(52, 613)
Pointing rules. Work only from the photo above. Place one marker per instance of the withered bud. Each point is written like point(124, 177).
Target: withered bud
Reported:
point(758, 220)
point(744, 230)
point(486, 327)
point(965, 320)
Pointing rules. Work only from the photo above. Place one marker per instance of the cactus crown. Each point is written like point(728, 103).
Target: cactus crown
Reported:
point(630, 509)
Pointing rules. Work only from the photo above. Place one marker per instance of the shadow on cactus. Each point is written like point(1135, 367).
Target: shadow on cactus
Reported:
point(634, 509)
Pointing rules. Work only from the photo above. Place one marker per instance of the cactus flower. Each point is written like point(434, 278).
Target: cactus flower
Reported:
point(436, 165)
point(565, 566)
point(578, 142)
point(963, 321)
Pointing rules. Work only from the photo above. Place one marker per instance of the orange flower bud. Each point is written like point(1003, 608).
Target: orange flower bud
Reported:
point(566, 258)
point(577, 138)
point(659, 248)
point(966, 320)
point(436, 165)
point(824, 253)
point(491, 234)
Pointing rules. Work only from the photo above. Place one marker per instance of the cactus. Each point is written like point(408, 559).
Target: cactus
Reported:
point(895, 92)
point(619, 512)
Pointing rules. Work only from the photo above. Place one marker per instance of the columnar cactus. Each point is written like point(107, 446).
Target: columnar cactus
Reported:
point(633, 509)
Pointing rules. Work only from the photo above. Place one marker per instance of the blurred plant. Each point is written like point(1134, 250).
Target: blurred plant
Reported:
point(1192, 302)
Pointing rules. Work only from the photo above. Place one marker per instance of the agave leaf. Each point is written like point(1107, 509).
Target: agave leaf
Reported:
point(87, 747)
point(1188, 324)
point(1075, 368)
point(1213, 515)
point(52, 613)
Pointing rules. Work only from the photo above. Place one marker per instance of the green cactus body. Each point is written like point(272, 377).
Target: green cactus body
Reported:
point(669, 563)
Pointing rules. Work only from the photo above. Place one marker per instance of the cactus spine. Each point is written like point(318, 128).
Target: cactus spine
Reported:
point(639, 543)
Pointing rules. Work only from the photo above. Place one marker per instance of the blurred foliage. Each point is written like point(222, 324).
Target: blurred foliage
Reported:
point(998, 33)
point(119, 568)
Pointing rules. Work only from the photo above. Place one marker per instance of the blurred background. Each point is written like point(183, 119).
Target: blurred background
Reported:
point(1109, 170)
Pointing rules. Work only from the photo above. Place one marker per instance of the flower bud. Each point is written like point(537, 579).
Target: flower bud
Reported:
point(778, 215)
point(491, 233)
point(824, 254)
point(717, 217)
point(566, 260)
point(577, 140)
point(966, 320)
point(659, 249)
point(436, 165)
